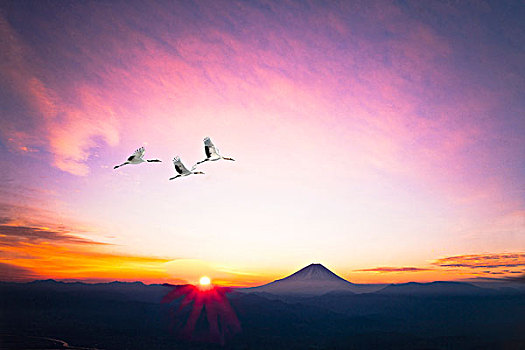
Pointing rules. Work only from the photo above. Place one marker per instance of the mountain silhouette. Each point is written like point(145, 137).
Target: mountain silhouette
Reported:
point(434, 288)
point(43, 314)
point(314, 279)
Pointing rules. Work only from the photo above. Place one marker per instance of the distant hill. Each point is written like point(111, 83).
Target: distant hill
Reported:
point(434, 288)
point(314, 279)
point(123, 315)
point(136, 291)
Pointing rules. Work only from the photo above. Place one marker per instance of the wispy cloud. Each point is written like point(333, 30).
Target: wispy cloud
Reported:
point(68, 131)
point(482, 261)
point(505, 265)
point(394, 269)
point(13, 235)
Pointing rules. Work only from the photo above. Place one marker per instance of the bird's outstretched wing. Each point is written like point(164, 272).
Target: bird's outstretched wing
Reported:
point(139, 153)
point(179, 167)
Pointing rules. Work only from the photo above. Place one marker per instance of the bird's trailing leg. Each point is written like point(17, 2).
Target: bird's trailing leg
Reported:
point(154, 160)
point(172, 178)
point(202, 161)
point(118, 166)
point(228, 158)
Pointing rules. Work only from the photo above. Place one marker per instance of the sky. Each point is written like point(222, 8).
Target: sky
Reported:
point(381, 139)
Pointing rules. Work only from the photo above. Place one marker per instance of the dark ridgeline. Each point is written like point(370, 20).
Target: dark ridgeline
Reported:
point(438, 315)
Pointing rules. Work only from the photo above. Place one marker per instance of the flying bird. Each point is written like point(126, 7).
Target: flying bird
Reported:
point(137, 158)
point(212, 152)
point(182, 170)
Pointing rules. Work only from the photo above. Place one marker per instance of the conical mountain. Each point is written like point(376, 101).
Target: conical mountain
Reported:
point(314, 279)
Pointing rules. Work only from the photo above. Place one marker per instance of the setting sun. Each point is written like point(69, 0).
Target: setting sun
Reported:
point(204, 281)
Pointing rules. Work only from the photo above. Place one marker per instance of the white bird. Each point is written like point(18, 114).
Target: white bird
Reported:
point(182, 170)
point(212, 152)
point(137, 158)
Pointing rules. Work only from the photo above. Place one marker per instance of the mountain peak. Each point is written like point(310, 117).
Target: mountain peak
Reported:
point(313, 272)
point(314, 279)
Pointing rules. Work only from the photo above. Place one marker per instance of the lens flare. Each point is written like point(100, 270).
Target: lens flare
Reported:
point(192, 303)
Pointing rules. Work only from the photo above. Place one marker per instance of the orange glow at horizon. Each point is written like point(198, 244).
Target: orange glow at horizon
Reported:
point(75, 262)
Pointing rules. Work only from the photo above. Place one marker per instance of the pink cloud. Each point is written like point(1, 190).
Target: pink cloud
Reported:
point(69, 131)
point(72, 139)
